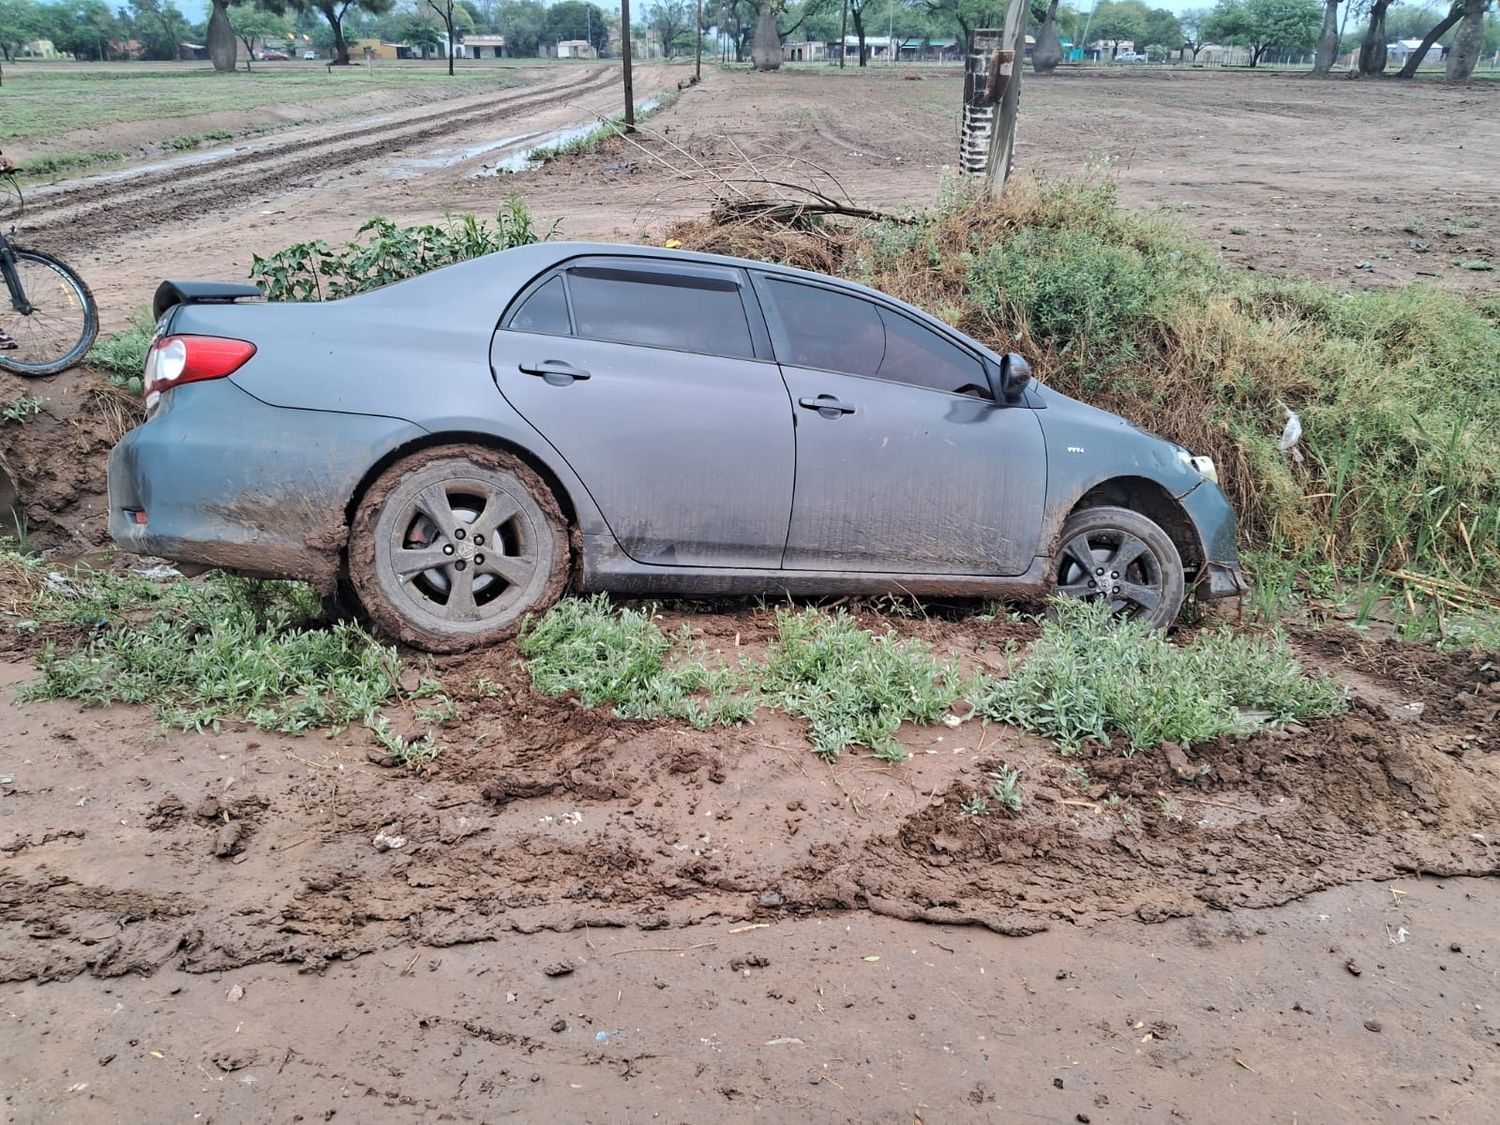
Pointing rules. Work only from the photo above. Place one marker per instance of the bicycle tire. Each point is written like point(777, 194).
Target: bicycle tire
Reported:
point(81, 346)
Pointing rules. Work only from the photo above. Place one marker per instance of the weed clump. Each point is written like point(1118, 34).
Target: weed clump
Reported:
point(1091, 678)
point(382, 253)
point(621, 657)
point(854, 688)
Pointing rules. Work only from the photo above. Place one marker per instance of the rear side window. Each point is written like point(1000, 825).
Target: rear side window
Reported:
point(661, 309)
point(839, 332)
point(546, 310)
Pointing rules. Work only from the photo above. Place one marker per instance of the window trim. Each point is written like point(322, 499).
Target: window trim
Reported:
point(532, 287)
point(780, 337)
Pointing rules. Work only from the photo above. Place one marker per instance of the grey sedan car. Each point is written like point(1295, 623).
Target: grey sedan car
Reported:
point(458, 449)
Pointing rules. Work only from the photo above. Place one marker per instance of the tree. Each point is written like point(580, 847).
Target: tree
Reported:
point(1161, 26)
point(333, 13)
point(87, 34)
point(1372, 53)
point(574, 19)
point(418, 31)
point(1328, 38)
point(160, 26)
point(444, 10)
point(1191, 22)
point(1114, 23)
point(1468, 43)
point(766, 48)
point(1264, 25)
point(671, 20)
point(523, 23)
point(1048, 50)
point(21, 21)
point(251, 23)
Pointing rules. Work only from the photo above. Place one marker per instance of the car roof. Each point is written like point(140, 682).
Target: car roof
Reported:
point(473, 287)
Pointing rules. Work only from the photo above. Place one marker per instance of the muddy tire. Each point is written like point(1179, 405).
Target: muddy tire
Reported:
point(1121, 556)
point(451, 548)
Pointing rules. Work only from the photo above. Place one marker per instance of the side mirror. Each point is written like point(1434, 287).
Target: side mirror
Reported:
point(1008, 381)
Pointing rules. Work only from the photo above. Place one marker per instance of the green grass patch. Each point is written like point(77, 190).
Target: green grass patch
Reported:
point(621, 658)
point(607, 130)
point(853, 688)
point(1089, 678)
point(123, 354)
point(67, 163)
point(42, 104)
point(203, 652)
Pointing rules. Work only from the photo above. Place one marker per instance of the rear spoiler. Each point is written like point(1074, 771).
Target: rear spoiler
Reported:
point(170, 294)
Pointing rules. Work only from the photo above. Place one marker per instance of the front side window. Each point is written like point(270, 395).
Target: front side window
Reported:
point(839, 332)
point(688, 311)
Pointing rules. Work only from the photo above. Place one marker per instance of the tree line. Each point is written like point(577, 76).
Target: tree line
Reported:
point(1266, 29)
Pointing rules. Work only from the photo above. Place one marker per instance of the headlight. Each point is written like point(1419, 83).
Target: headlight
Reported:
point(1203, 466)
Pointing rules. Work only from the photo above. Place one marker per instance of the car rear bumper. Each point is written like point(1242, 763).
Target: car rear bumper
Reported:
point(1221, 575)
point(219, 478)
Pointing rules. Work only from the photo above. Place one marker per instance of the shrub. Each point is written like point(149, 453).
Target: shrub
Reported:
point(382, 253)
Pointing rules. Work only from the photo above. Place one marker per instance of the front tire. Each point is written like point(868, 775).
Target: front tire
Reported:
point(63, 321)
point(1120, 556)
point(450, 548)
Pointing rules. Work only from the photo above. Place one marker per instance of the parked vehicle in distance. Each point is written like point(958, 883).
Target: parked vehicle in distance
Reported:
point(1129, 57)
point(457, 449)
point(310, 56)
point(273, 56)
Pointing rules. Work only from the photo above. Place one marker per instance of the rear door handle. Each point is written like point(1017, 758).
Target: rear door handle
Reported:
point(556, 372)
point(826, 405)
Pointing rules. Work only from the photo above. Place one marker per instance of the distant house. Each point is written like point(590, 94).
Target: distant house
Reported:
point(380, 49)
point(933, 50)
point(576, 49)
point(39, 49)
point(484, 46)
point(1399, 50)
point(192, 52)
point(806, 51)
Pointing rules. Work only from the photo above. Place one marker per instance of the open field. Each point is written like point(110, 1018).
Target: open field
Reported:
point(496, 901)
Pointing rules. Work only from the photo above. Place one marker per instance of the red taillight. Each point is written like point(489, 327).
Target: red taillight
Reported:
point(190, 359)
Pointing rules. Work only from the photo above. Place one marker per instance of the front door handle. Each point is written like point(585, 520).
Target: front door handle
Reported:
point(826, 405)
point(556, 372)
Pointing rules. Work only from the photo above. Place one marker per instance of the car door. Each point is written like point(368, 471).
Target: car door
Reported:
point(904, 463)
point(656, 385)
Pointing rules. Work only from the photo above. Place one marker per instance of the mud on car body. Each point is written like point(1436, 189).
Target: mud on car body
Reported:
point(459, 448)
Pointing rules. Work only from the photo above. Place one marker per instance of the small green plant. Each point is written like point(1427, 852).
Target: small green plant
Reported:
point(411, 753)
point(20, 409)
point(382, 253)
point(1239, 230)
point(976, 804)
point(1089, 678)
point(1005, 788)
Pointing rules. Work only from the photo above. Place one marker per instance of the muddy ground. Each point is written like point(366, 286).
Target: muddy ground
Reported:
point(575, 916)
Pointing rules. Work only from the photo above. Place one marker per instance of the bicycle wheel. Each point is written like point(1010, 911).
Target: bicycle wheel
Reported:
point(60, 325)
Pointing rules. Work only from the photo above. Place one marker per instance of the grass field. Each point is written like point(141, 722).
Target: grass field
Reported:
point(37, 105)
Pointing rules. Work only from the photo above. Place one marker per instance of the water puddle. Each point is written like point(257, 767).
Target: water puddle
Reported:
point(518, 154)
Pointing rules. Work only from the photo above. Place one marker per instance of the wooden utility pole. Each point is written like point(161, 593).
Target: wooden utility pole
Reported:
point(992, 98)
point(698, 61)
point(843, 34)
point(625, 55)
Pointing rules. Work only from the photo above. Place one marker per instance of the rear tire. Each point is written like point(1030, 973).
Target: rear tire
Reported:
point(61, 327)
point(452, 547)
point(1119, 555)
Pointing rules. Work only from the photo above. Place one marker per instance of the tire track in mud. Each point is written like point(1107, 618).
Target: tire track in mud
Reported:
point(76, 218)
